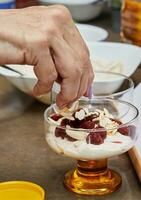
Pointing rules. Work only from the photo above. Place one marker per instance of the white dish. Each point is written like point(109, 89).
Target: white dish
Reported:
point(70, 2)
point(80, 10)
point(129, 55)
point(92, 33)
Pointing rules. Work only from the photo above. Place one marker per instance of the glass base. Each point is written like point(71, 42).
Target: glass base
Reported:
point(92, 178)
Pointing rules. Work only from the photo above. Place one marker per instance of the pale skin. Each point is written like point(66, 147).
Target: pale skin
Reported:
point(47, 38)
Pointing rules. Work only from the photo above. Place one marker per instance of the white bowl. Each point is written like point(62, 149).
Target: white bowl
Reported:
point(91, 33)
point(109, 83)
point(129, 55)
point(81, 10)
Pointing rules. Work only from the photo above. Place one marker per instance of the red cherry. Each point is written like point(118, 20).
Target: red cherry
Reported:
point(87, 125)
point(94, 138)
point(128, 130)
point(123, 130)
point(59, 132)
point(65, 122)
point(75, 123)
point(103, 134)
point(56, 117)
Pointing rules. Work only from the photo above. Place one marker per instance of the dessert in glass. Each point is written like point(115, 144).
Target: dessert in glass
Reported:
point(91, 131)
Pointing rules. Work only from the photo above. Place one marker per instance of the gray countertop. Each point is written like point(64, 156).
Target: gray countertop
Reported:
point(24, 154)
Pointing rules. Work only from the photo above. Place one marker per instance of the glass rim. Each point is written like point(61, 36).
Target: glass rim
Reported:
point(95, 129)
point(116, 93)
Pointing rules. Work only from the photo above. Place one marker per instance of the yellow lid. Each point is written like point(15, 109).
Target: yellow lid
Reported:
point(21, 190)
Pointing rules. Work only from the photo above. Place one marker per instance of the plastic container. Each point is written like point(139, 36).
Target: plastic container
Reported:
point(7, 4)
point(21, 190)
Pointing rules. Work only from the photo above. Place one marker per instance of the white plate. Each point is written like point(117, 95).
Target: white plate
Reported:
point(69, 2)
point(92, 33)
point(129, 55)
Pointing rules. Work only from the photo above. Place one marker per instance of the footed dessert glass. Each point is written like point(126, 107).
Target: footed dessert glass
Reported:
point(96, 131)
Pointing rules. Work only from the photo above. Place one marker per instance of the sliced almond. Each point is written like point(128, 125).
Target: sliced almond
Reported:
point(74, 107)
point(104, 122)
point(66, 112)
point(78, 135)
point(107, 114)
point(80, 114)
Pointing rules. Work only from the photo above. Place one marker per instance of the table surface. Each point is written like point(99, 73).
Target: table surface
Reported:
point(26, 156)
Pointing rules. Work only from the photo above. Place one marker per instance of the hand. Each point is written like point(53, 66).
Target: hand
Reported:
point(47, 38)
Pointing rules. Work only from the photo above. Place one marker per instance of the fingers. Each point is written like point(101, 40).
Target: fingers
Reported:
point(76, 42)
point(68, 67)
point(69, 90)
point(45, 72)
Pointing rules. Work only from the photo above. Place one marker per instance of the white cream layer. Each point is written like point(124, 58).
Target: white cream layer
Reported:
point(82, 150)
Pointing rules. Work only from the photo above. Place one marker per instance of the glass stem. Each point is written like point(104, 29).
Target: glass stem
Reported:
point(92, 168)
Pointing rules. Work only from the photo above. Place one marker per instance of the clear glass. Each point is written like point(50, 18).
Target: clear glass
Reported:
point(113, 85)
point(92, 176)
point(131, 21)
point(108, 85)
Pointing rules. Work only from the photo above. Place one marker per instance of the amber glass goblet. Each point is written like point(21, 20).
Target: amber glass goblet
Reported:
point(92, 175)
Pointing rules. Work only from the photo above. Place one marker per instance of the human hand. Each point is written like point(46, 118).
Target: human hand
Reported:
point(47, 38)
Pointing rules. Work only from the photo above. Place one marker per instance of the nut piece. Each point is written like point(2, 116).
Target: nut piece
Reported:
point(78, 135)
point(80, 115)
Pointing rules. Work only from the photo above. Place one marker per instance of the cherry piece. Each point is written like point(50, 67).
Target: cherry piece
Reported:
point(59, 132)
point(56, 117)
point(124, 130)
point(87, 125)
point(94, 138)
point(65, 122)
point(75, 123)
point(103, 134)
point(128, 130)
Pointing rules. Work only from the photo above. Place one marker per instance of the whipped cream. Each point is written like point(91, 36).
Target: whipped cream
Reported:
point(112, 146)
point(115, 143)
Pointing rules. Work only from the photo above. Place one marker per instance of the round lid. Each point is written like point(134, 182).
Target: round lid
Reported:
point(21, 190)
